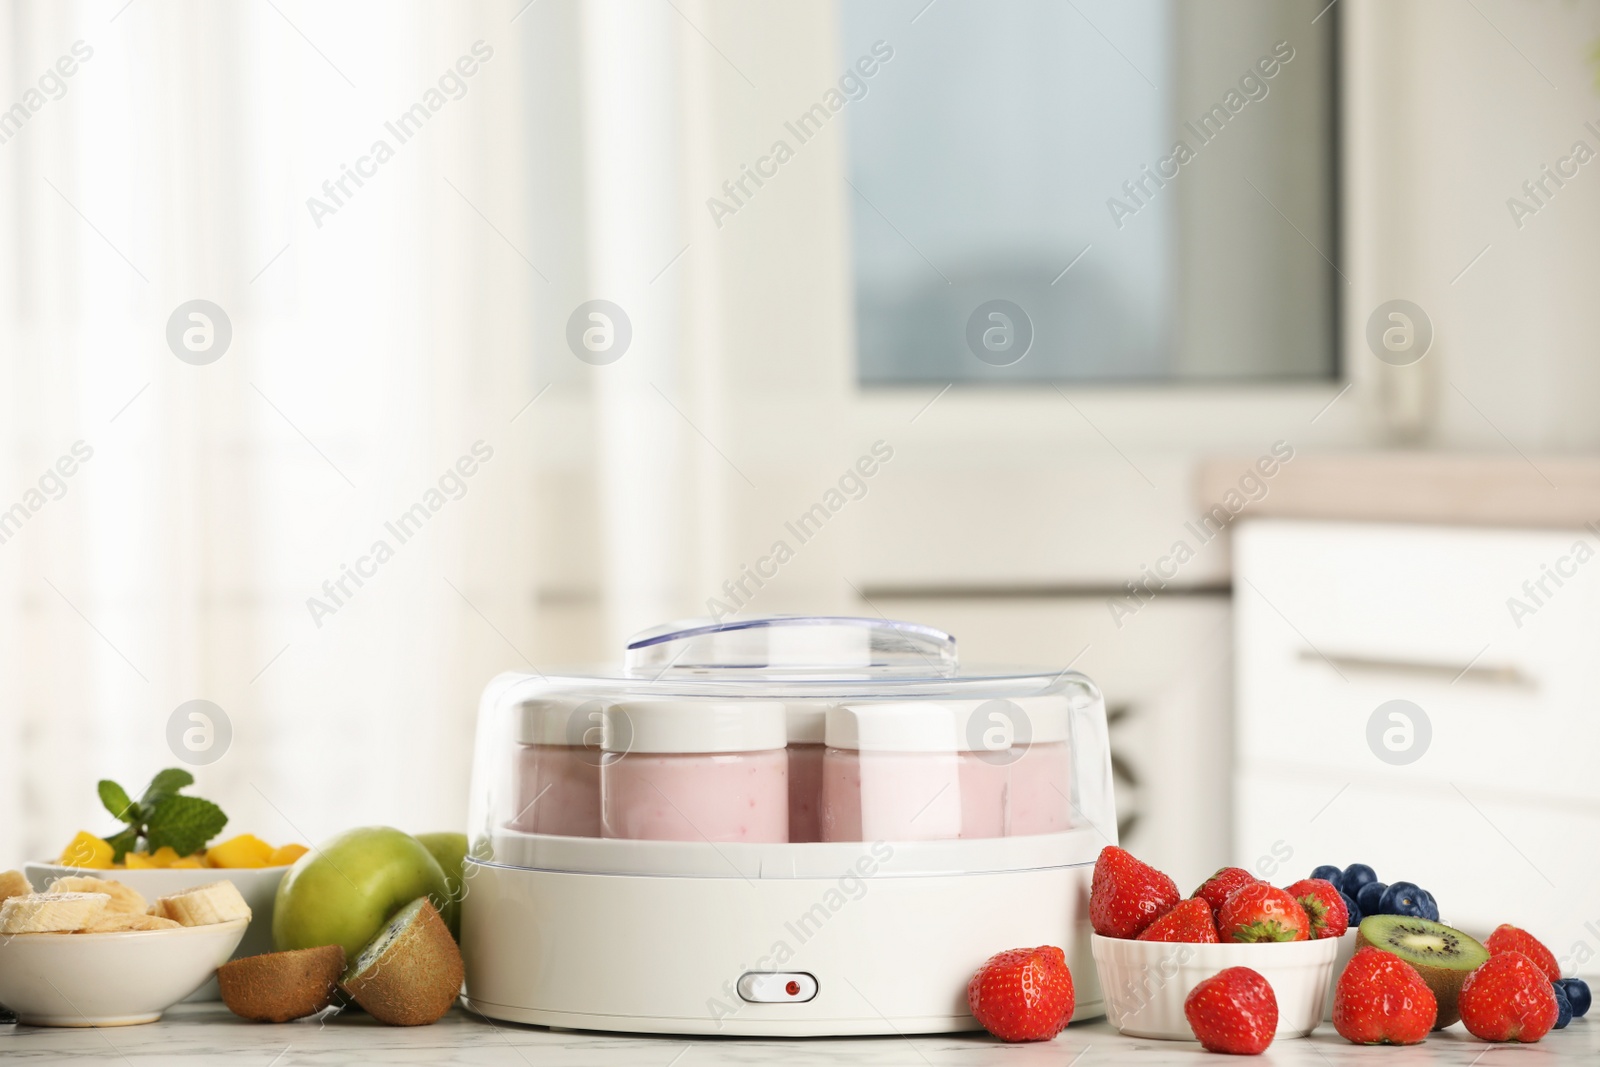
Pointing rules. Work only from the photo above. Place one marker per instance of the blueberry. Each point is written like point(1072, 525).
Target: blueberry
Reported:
point(1330, 873)
point(1370, 897)
point(1401, 898)
point(1577, 991)
point(1430, 909)
point(1563, 1006)
point(1355, 876)
point(1354, 909)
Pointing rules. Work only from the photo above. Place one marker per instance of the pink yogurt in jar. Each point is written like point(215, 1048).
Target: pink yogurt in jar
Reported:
point(891, 773)
point(806, 722)
point(557, 770)
point(1015, 766)
point(940, 769)
point(1040, 790)
point(696, 770)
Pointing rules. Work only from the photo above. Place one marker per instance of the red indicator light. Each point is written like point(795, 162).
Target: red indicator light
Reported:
point(793, 988)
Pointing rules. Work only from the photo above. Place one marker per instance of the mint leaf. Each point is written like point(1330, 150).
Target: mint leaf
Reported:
point(123, 843)
point(185, 823)
point(115, 798)
point(165, 784)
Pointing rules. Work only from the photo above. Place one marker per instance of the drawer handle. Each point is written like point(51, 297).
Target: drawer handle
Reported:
point(1451, 672)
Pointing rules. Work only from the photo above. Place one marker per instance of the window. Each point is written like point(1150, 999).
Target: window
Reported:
point(1094, 191)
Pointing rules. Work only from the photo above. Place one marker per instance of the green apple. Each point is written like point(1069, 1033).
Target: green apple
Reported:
point(450, 850)
point(344, 890)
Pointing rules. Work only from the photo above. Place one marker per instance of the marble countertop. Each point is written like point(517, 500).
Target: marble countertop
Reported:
point(1452, 488)
point(198, 1034)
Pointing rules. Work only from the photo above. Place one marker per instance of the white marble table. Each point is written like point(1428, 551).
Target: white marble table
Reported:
point(193, 1035)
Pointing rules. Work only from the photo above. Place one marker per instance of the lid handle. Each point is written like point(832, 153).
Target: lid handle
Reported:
point(806, 643)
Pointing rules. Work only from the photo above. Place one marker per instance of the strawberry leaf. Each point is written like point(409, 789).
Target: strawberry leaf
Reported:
point(115, 798)
point(185, 823)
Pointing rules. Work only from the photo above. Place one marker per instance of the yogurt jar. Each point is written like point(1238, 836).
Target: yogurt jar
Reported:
point(806, 728)
point(891, 772)
point(695, 770)
point(557, 774)
point(1016, 766)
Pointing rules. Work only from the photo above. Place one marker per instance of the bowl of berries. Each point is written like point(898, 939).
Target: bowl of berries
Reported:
point(1157, 952)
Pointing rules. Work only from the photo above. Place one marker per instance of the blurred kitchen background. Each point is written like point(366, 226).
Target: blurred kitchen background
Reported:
point(1341, 348)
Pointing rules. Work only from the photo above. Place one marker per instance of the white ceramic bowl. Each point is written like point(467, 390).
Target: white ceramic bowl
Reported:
point(1145, 982)
point(258, 886)
point(109, 979)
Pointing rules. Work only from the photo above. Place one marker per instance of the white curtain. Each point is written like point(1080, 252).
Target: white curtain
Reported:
point(386, 343)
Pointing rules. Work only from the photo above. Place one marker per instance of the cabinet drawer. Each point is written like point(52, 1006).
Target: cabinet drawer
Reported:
point(1335, 620)
point(1487, 860)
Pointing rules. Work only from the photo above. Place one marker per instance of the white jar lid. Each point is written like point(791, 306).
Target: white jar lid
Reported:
point(898, 726)
point(1037, 720)
point(807, 721)
point(550, 721)
point(691, 726)
point(948, 725)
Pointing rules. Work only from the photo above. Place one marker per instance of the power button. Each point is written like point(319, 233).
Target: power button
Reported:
point(780, 987)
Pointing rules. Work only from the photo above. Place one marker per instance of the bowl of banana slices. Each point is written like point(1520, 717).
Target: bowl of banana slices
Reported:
point(95, 952)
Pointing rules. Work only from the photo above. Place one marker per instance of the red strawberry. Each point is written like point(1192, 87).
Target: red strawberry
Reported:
point(1233, 1011)
point(1382, 1000)
point(1324, 907)
point(1508, 938)
point(1261, 912)
point(1220, 886)
point(1127, 895)
point(1189, 922)
point(1508, 998)
point(1024, 994)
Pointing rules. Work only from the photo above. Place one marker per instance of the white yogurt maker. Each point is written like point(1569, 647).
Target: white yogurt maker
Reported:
point(779, 826)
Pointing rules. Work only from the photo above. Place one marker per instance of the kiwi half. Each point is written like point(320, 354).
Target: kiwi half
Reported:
point(1441, 954)
point(411, 972)
point(276, 987)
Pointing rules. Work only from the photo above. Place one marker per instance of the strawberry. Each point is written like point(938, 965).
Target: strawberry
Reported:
point(1233, 1011)
point(1024, 994)
point(1324, 907)
point(1382, 1000)
point(1261, 912)
point(1189, 922)
point(1508, 938)
point(1508, 998)
point(1127, 895)
point(1220, 886)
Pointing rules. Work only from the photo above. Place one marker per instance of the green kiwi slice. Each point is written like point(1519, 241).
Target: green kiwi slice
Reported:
point(1441, 954)
point(410, 973)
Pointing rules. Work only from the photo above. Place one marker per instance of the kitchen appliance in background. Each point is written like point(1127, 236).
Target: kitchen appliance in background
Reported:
point(713, 869)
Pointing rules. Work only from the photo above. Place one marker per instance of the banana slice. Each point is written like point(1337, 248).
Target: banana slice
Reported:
point(124, 899)
point(13, 884)
point(216, 902)
point(111, 922)
point(47, 913)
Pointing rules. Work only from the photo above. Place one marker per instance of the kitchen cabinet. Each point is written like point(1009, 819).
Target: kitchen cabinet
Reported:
point(1423, 699)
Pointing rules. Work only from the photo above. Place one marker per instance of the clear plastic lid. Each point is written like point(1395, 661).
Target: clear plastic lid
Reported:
point(784, 646)
point(701, 755)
